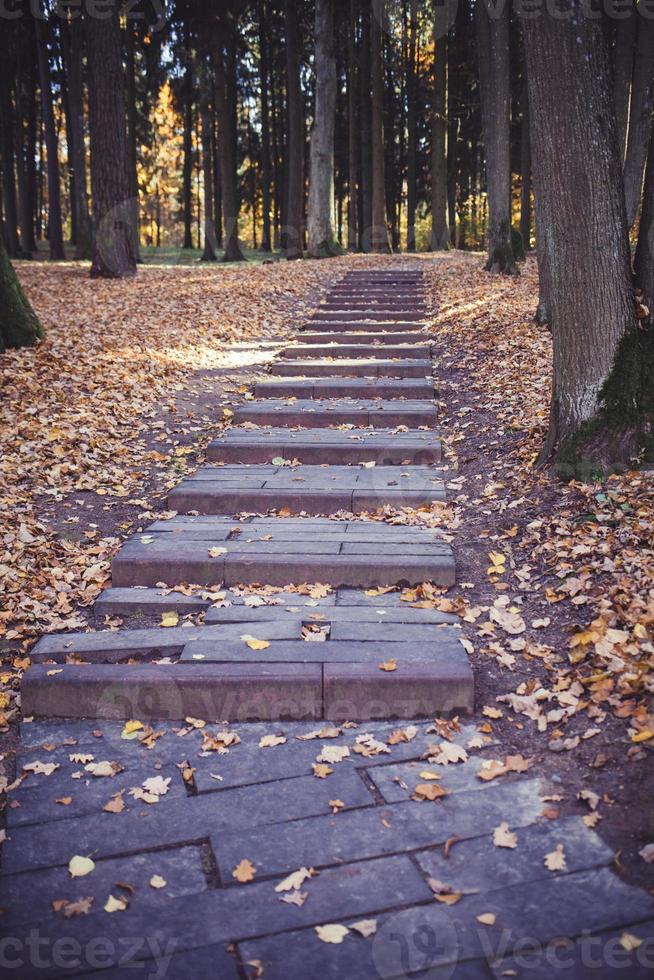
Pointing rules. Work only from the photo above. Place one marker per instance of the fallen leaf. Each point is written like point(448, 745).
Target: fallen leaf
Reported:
point(332, 933)
point(244, 872)
point(253, 643)
point(555, 860)
point(114, 904)
point(503, 837)
point(156, 881)
point(79, 867)
point(365, 928)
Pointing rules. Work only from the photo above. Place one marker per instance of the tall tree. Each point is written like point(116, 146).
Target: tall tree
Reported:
point(379, 241)
point(412, 95)
point(352, 129)
point(225, 70)
point(131, 117)
point(640, 117)
point(365, 121)
point(601, 399)
point(623, 64)
point(320, 223)
point(294, 194)
point(73, 40)
point(55, 230)
point(113, 214)
point(187, 164)
point(27, 112)
point(644, 259)
point(494, 81)
point(209, 252)
point(7, 152)
point(525, 168)
point(266, 164)
point(19, 325)
point(440, 232)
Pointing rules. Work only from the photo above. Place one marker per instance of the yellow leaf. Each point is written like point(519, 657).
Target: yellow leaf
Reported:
point(170, 619)
point(156, 881)
point(217, 552)
point(388, 665)
point(253, 643)
point(332, 933)
point(643, 736)
point(244, 872)
point(79, 866)
point(486, 919)
point(555, 860)
point(116, 904)
point(131, 728)
point(449, 898)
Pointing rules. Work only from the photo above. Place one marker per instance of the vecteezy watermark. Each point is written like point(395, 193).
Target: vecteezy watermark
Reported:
point(147, 956)
point(420, 942)
point(151, 12)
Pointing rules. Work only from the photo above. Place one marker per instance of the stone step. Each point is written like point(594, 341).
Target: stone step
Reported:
point(317, 413)
point(359, 337)
point(409, 351)
point(382, 446)
point(365, 314)
point(281, 551)
point(231, 489)
point(399, 307)
point(345, 388)
point(356, 367)
point(365, 326)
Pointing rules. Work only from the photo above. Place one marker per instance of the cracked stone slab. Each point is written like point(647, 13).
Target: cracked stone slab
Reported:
point(310, 387)
point(337, 411)
point(226, 489)
point(357, 367)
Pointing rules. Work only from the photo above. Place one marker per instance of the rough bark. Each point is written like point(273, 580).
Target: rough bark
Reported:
point(379, 241)
point(440, 232)
point(494, 79)
point(525, 170)
point(365, 193)
point(412, 124)
point(27, 158)
point(113, 215)
point(84, 236)
point(187, 165)
point(320, 217)
point(19, 325)
point(352, 131)
point(599, 416)
point(623, 66)
point(640, 117)
point(224, 67)
point(7, 152)
point(130, 93)
point(55, 232)
point(266, 166)
point(644, 259)
point(209, 252)
point(294, 195)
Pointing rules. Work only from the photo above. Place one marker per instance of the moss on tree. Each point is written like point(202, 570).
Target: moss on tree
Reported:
point(19, 324)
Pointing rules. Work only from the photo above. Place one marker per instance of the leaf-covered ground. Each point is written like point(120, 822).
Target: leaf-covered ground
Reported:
point(556, 581)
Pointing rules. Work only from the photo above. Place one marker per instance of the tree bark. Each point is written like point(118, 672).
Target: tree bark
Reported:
point(640, 117)
point(494, 82)
point(320, 221)
point(365, 193)
point(187, 166)
point(27, 155)
point(113, 214)
point(266, 166)
point(644, 259)
point(440, 232)
point(525, 169)
point(379, 231)
point(224, 67)
point(84, 236)
point(352, 132)
point(412, 93)
point(130, 92)
point(294, 196)
point(19, 325)
point(209, 253)
point(623, 66)
point(55, 232)
point(599, 408)
point(7, 151)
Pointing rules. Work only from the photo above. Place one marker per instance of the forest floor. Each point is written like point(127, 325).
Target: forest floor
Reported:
point(555, 581)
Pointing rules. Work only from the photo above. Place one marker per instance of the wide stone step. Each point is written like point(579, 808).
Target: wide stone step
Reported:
point(281, 551)
point(366, 313)
point(356, 367)
point(359, 337)
point(229, 489)
point(381, 446)
point(346, 411)
point(365, 326)
point(344, 388)
point(356, 305)
point(336, 351)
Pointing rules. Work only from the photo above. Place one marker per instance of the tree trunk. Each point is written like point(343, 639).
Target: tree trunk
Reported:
point(640, 118)
point(9, 199)
point(19, 325)
point(412, 122)
point(601, 401)
point(320, 222)
point(27, 158)
point(352, 131)
point(217, 187)
point(224, 67)
point(623, 66)
point(266, 167)
point(294, 196)
point(209, 253)
point(55, 232)
point(84, 237)
point(440, 232)
point(365, 202)
point(525, 169)
point(187, 166)
point(494, 83)
point(379, 231)
point(644, 260)
point(113, 214)
point(130, 93)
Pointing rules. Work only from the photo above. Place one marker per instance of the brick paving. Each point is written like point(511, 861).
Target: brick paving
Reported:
point(316, 732)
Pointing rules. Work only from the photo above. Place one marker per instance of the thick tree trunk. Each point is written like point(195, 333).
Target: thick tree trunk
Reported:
point(640, 117)
point(266, 166)
point(494, 79)
point(84, 236)
point(7, 151)
point(379, 231)
point(113, 214)
point(217, 188)
point(412, 93)
point(55, 232)
point(225, 110)
point(365, 193)
point(187, 165)
point(294, 196)
point(352, 130)
point(440, 232)
point(27, 159)
point(525, 169)
point(19, 325)
point(209, 253)
point(644, 260)
point(599, 412)
point(320, 221)
point(130, 92)
point(623, 66)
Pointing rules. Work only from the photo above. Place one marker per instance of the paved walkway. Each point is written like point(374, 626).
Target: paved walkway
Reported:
point(276, 785)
